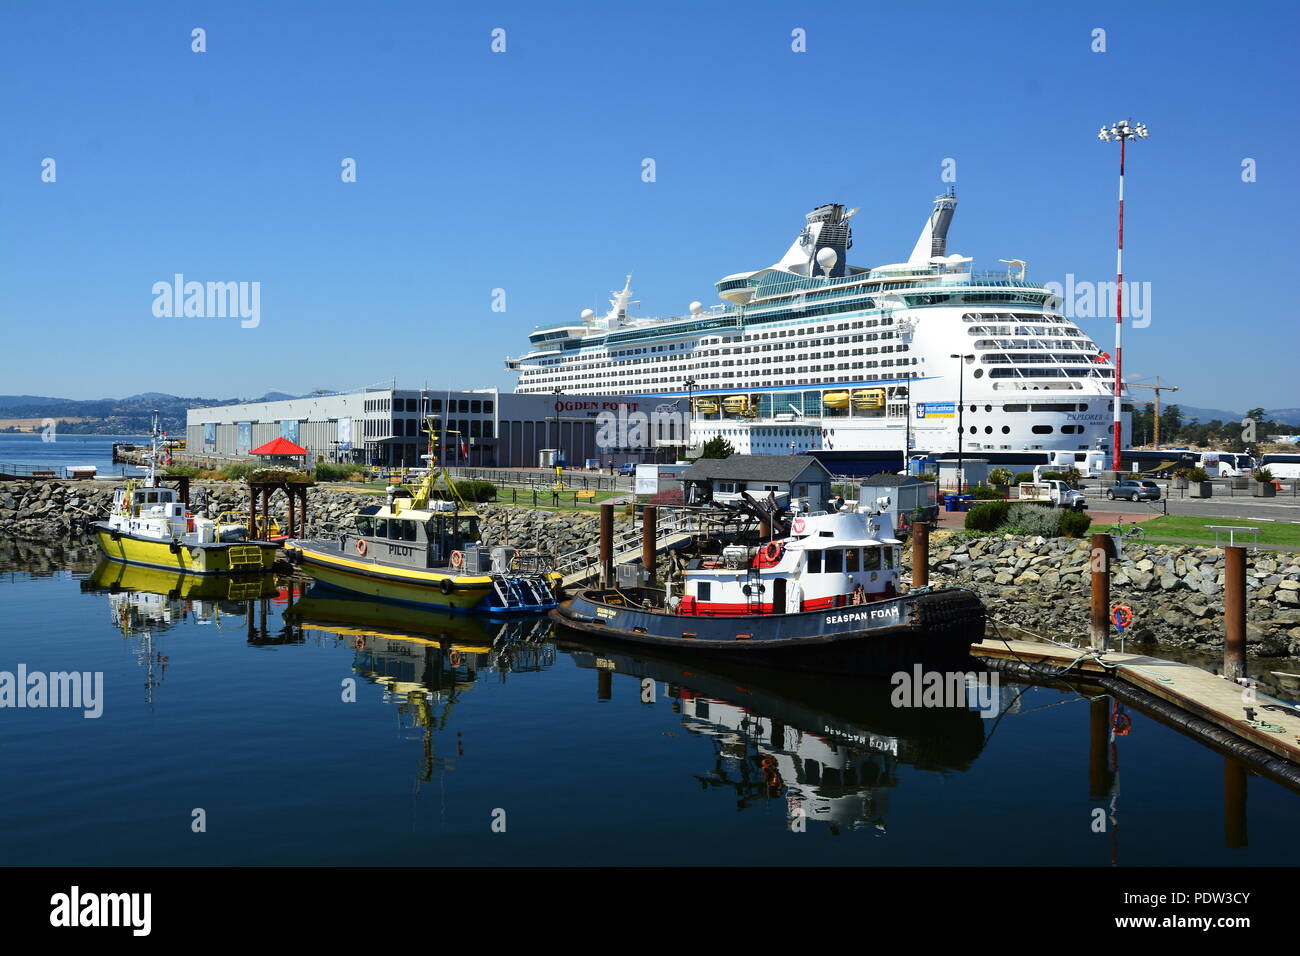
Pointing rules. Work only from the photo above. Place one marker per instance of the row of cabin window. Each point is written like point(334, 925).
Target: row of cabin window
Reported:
point(153, 497)
point(850, 560)
point(401, 529)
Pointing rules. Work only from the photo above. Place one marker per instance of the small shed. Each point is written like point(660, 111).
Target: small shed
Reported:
point(282, 452)
point(907, 496)
point(788, 477)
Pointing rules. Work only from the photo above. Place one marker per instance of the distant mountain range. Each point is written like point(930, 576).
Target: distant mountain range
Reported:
point(116, 416)
point(1290, 416)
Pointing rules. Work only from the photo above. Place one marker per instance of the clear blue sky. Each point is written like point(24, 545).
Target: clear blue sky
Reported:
point(522, 171)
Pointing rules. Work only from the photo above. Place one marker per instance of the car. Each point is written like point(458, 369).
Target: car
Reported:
point(1134, 489)
point(627, 469)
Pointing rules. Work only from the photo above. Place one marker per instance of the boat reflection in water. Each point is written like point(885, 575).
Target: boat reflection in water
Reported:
point(144, 602)
point(424, 659)
point(830, 747)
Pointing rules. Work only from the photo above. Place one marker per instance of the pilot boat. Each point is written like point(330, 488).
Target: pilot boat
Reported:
point(424, 551)
point(825, 597)
point(149, 525)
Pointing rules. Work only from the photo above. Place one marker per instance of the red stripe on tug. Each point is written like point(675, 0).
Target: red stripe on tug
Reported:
point(690, 607)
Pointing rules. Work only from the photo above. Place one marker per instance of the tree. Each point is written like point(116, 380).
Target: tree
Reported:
point(717, 447)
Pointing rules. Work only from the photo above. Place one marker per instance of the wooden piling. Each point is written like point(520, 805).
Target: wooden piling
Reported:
point(1099, 620)
point(920, 554)
point(607, 545)
point(649, 541)
point(1234, 803)
point(1099, 776)
point(1234, 612)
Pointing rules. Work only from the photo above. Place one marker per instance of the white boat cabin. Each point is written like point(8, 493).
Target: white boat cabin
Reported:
point(828, 561)
point(157, 513)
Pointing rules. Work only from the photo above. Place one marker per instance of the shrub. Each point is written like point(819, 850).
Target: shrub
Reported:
point(1075, 524)
point(1030, 520)
point(987, 516)
point(1071, 476)
point(325, 471)
point(480, 491)
point(1000, 476)
point(1024, 476)
point(186, 471)
point(1197, 474)
point(1053, 476)
point(927, 476)
point(1262, 475)
point(986, 493)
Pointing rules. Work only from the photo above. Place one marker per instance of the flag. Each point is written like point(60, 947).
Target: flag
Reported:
point(464, 449)
point(1102, 357)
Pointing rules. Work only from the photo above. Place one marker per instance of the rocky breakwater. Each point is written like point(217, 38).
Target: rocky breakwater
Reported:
point(1175, 591)
point(56, 511)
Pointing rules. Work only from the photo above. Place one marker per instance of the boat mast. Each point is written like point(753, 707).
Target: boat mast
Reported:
point(152, 481)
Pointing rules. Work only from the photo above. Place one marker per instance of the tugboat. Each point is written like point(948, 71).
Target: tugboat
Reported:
point(149, 525)
point(823, 598)
point(425, 551)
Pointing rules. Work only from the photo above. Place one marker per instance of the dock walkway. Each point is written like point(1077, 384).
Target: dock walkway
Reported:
point(1195, 691)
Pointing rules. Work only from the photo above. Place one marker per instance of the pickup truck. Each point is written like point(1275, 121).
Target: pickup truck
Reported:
point(1058, 494)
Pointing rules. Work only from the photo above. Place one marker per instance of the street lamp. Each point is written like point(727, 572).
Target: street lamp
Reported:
point(557, 393)
point(1122, 132)
point(961, 407)
point(690, 408)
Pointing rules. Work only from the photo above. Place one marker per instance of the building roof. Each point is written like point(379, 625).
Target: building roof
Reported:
point(888, 478)
point(280, 446)
point(781, 468)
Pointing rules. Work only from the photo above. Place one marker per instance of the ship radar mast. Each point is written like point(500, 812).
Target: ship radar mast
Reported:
point(620, 301)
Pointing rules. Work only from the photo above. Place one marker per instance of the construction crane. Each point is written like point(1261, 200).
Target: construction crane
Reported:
point(1157, 388)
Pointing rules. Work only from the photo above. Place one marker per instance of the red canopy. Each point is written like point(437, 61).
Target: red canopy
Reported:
point(280, 446)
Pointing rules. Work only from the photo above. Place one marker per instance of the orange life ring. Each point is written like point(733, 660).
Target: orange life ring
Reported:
point(454, 658)
point(361, 546)
point(359, 643)
point(1121, 615)
point(457, 558)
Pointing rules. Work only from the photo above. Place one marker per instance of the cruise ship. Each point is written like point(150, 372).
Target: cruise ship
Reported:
point(815, 354)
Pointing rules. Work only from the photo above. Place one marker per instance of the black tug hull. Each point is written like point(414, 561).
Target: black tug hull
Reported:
point(933, 628)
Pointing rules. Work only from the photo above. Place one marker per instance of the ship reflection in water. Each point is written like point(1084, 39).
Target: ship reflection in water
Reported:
point(830, 748)
point(424, 660)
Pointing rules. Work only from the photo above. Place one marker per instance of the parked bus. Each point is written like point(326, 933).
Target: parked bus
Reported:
point(1226, 464)
point(1090, 463)
point(1162, 463)
point(1282, 466)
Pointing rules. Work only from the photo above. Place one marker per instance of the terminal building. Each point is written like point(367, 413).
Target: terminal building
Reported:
point(481, 427)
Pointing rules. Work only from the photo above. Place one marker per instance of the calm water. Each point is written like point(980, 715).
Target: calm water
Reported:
point(236, 706)
point(97, 450)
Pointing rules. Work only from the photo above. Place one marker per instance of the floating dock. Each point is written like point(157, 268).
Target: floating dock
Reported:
point(1245, 722)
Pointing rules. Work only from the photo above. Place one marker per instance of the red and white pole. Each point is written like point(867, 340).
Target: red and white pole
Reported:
point(1117, 425)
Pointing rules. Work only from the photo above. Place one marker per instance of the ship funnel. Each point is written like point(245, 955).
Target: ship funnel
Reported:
point(828, 228)
point(933, 240)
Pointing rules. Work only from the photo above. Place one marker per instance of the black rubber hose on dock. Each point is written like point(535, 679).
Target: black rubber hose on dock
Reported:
point(1262, 761)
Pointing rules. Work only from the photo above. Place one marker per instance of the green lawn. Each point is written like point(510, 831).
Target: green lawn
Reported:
point(1190, 528)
